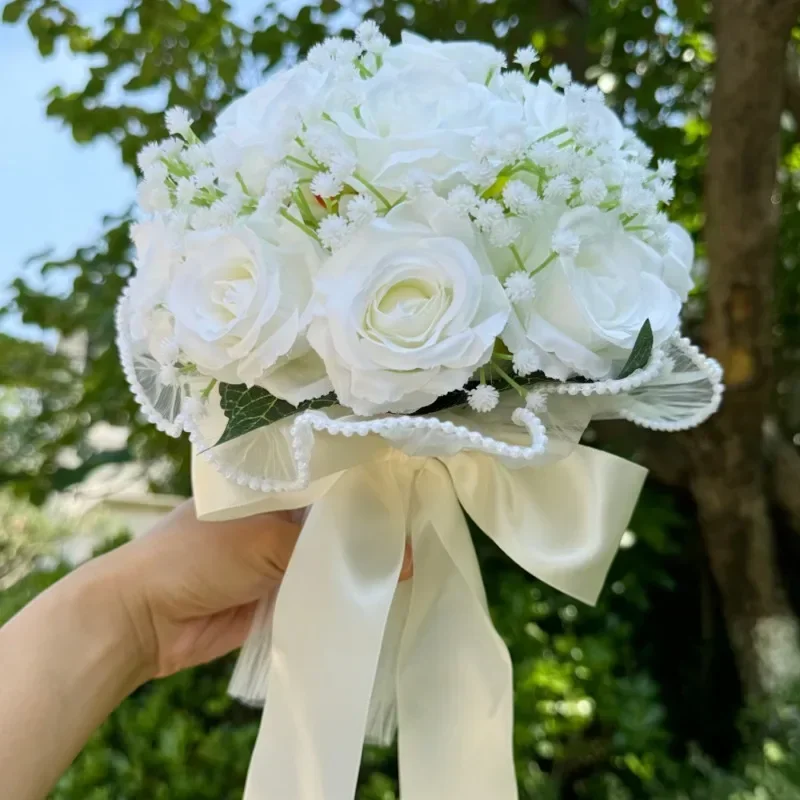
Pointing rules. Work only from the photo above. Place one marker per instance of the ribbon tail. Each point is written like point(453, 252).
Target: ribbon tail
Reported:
point(455, 688)
point(329, 620)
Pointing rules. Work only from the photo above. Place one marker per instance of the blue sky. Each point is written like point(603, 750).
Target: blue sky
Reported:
point(54, 192)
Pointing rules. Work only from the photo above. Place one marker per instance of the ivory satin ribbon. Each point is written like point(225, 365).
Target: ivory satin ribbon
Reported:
point(351, 654)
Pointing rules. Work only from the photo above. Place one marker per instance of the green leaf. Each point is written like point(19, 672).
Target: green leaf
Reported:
point(642, 350)
point(13, 11)
point(249, 408)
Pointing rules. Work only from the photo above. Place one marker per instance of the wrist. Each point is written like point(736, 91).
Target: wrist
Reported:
point(112, 628)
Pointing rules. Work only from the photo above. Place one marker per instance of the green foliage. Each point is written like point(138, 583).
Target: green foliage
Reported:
point(26, 534)
point(590, 719)
point(606, 698)
point(642, 350)
point(250, 408)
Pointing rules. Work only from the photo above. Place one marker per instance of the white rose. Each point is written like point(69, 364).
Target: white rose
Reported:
point(475, 61)
point(416, 119)
point(588, 309)
point(241, 305)
point(156, 243)
point(253, 132)
point(409, 311)
point(678, 261)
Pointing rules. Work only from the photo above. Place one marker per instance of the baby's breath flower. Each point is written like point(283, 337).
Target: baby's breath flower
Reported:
point(520, 286)
point(342, 165)
point(566, 243)
point(480, 172)
point(281, 182)
point(197, 156)
point(150, 154)
point(362, 209)
point(178, 122)
point(487, 214)
point(483, 146)
point(172, 148)
point(344, 50)
point(560, 76)
point(520, 199)
point(333, 231)
point(483, 398)
point(326, 185)
point(666, 169)
point(560, 188)
point(575, 93)
point(185, 191)
point(663, 191)
point(526, 362)
point(526, 57)
point(659, 223)
point(640, 151)
point(593, 191)
point(156, 173)
point(168, 375)
point(536, 401)
point(223, 213)
point(463, 200)
point(544, 154)
point(369, 36)
point(504, 232)
point(635, 200)
point(153, 196)
point(320, 55)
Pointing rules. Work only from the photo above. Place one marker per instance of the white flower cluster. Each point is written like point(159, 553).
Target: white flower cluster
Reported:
point(395, 223)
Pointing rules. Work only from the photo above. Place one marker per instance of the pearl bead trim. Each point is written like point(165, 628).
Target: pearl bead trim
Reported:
point(306, 424)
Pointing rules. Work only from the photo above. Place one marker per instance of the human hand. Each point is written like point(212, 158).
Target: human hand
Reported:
point(189, 589)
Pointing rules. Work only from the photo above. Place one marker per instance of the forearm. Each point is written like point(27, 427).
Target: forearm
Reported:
point(66, 661)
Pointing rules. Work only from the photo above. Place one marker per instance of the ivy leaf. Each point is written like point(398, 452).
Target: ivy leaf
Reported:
point(249, 408)
point(642, 350)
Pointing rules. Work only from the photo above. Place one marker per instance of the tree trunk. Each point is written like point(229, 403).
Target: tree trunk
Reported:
point(728, 472)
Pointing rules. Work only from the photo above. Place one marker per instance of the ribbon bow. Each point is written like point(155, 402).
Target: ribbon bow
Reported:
point(351, 655)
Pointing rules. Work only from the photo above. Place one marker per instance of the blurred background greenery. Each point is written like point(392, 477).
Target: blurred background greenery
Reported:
point(683, 682)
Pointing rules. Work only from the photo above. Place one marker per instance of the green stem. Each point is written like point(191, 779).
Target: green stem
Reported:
point(207, 391)
point(517, 257)
point(305, 208)
point(362, 70)
point(303, 227)
point(508, 379)
point(399, 200)
point(374, 191)
point(242, 183)
point(549, 260)
point(301, 163)
point(553, 134)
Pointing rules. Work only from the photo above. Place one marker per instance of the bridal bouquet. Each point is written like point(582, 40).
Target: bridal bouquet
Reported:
point(396, 285)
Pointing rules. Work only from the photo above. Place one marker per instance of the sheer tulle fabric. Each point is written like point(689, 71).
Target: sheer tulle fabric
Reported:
point(678, 389)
